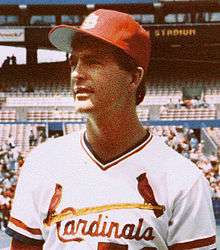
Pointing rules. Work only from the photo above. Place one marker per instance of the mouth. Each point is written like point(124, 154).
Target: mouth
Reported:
point(82, 93)
point(83, 90)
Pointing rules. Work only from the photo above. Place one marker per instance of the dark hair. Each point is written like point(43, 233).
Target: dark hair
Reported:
point(127, 63)
point(124, 61)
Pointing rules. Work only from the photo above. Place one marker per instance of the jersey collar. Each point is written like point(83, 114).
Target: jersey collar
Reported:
point(104, 165)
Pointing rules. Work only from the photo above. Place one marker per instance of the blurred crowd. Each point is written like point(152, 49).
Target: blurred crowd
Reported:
point(11, 161)
point(191, 103)
point(196, 102)
point(10, 61)
point(184, 140)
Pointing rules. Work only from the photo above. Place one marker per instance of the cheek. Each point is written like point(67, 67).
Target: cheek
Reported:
point(114, 84)
point(110, 90)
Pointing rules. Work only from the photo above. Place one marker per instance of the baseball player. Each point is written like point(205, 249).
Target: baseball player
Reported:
point(114, 185)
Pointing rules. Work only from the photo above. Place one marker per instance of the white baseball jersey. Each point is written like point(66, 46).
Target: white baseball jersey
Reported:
point(148, 198)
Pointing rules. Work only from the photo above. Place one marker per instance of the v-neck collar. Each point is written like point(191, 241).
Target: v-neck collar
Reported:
point(104, 165)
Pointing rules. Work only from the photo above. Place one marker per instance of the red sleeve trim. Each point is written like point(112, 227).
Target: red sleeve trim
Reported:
point(20, 224)
point(18, 245)
point(194, 244)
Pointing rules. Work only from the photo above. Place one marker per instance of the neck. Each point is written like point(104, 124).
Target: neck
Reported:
point(111, 135)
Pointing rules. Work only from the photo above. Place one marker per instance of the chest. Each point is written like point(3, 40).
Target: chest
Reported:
point(110, 205)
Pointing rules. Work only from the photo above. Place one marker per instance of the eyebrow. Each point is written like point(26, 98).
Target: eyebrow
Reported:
point(94, 54)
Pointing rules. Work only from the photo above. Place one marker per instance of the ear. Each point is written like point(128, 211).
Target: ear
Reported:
point(137, 76)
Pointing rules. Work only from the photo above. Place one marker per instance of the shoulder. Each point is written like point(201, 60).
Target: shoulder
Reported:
point(177, 170)
point(168, 157)
point(171, 175)
point(50, 154)
point(56, 146)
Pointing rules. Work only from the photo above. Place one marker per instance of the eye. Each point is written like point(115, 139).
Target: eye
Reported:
point(93, 61)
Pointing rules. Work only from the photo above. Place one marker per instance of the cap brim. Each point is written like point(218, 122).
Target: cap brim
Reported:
point(61, 37)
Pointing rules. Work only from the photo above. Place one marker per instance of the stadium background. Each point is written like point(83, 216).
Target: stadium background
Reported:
point(182, 101)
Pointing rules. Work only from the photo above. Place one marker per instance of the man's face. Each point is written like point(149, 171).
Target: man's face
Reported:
point(99, 84)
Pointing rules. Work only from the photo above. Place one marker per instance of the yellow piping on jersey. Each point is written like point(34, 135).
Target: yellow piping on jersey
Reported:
point(71, 212)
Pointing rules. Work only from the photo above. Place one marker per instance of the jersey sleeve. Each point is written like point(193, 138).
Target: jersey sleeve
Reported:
point(192, 225)
point(25, 221)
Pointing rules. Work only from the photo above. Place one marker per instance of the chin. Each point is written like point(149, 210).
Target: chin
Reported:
point(82, 107)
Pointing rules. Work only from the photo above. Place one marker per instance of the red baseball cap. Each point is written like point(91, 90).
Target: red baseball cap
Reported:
point(116, 28)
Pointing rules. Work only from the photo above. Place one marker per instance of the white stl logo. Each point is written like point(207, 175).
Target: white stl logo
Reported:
point(90, 22)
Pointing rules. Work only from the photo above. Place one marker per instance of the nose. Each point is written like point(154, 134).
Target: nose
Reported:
point(78, 72)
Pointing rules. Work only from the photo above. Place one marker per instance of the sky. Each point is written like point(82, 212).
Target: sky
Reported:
point(20, 53)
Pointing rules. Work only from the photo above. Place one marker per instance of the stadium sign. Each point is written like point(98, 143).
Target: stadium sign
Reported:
point(12, 35)
point(175, 32)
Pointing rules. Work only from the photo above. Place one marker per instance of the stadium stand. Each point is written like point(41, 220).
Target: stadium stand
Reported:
point(8, 115)
point(188, 114)
point(54, 115)
point(20, 133)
